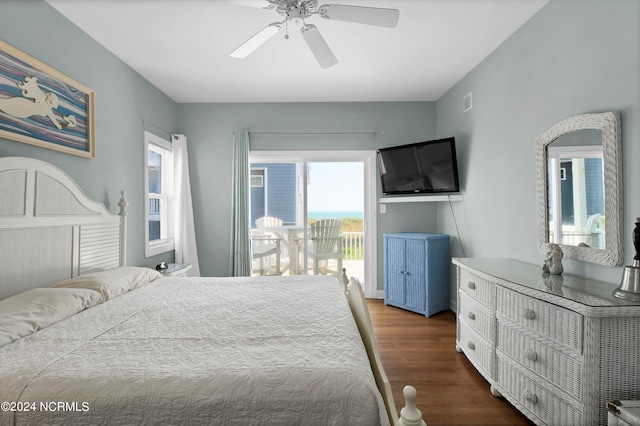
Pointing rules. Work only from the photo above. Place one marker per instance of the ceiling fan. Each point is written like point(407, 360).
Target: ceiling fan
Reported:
point(296, 11)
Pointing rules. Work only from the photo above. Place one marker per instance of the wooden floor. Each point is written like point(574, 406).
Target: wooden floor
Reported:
point(421, 352)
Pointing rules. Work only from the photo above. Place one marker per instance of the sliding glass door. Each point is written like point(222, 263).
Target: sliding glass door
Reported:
point(313, 212)
point(335, 217)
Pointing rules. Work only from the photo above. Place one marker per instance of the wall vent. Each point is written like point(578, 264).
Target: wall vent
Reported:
point(466, 103)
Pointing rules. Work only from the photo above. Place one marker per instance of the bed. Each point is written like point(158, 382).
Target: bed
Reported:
point(85, 339)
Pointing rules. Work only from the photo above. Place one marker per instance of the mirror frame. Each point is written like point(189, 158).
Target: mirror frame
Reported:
point(609, 124)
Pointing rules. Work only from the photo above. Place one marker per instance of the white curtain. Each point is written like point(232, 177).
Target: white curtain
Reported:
point(240, 255)
point(185, 232)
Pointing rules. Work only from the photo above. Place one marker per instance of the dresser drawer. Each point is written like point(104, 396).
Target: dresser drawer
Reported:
point(554, 322)
point(478, 288)
point(477, 349)
point(477, 317)
point(551, 363)
point(551, 407)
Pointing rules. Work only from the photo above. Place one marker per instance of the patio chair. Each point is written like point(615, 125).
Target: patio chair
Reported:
point(266, 245)
point(326, 244)
point(589, 236)
point(267, 222)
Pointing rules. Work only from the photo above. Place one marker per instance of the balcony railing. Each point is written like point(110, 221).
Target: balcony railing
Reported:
point(292, 259)
point(353, 245)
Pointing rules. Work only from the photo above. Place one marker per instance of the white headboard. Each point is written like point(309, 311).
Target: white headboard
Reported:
point(50, 230)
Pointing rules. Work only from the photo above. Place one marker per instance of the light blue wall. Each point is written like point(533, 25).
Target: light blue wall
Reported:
point(573, 57)
point(209, 127)
point(123, 99)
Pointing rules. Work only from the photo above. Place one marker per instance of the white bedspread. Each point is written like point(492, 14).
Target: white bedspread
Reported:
point(221, 351)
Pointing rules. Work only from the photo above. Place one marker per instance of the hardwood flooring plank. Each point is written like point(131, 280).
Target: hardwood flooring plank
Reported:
point(420, 351)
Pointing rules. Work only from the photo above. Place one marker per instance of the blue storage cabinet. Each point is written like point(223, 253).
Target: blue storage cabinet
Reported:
point(416, 271)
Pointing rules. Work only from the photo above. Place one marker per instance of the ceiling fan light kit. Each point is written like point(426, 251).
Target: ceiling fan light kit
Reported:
point(296, 11)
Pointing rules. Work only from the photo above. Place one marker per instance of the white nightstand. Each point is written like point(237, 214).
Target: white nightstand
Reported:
point(176, 270)
point(623, 413)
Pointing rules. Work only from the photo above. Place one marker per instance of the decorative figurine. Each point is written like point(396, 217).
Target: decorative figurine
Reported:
point(553, 261)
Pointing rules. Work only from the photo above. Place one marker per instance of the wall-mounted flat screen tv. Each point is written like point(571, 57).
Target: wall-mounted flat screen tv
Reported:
point(419, 168)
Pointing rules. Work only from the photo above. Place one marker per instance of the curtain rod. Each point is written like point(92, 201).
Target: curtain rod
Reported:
point(157, 125)
point(357, 132)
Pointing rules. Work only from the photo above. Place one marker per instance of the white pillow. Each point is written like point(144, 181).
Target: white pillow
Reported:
point(112, 282)
point(28, 312)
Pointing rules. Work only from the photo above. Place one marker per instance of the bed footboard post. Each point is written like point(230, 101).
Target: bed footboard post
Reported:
point(410, 415)
point(123, 203)
point(344, 280)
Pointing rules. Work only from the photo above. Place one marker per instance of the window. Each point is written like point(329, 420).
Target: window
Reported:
point(158, 195)
point(257, 178)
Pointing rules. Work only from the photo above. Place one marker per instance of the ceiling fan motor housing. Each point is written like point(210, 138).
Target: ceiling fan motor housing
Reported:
point(295, 9)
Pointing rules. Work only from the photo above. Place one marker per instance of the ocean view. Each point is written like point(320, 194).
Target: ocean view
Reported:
point(337, 215)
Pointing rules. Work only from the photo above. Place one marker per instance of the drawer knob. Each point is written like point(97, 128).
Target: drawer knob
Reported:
point(471, 285)
point(531, 397)
point(471, 345)
point(471, 315)
point(531, 355)
point(529, 314)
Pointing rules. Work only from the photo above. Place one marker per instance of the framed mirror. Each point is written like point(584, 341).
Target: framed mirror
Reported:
point(579, 188)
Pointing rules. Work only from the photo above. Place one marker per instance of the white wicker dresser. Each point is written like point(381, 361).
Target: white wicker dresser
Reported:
point(556, 347)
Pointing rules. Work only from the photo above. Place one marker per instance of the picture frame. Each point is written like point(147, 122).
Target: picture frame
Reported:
point(43, 107)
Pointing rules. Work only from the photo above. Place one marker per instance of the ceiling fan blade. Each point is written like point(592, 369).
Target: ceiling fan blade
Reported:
point(257, 40)
point(360, 14)
point(318, 46)
point(260, 4)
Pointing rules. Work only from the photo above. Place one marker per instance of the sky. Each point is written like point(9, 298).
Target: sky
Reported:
point(336, 187)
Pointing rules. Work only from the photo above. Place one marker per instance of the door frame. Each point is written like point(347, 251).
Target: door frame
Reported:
point(368, 158)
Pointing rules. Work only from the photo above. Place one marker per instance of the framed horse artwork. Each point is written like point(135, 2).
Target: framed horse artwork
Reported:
point(41, 106)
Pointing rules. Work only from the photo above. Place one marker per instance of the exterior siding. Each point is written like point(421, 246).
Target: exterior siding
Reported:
point(594, 179)
point(279, 195)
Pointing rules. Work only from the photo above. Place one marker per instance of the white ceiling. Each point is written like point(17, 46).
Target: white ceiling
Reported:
point(183, 46)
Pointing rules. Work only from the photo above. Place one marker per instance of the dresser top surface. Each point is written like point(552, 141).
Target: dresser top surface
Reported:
point(581, 290)
point(417, 236)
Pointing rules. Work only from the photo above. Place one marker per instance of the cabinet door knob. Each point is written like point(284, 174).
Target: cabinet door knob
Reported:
point(471, 315)
point(531, 355)
point(530, 396)
point(471, 285)
point(471, 345)
point(529, 314)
